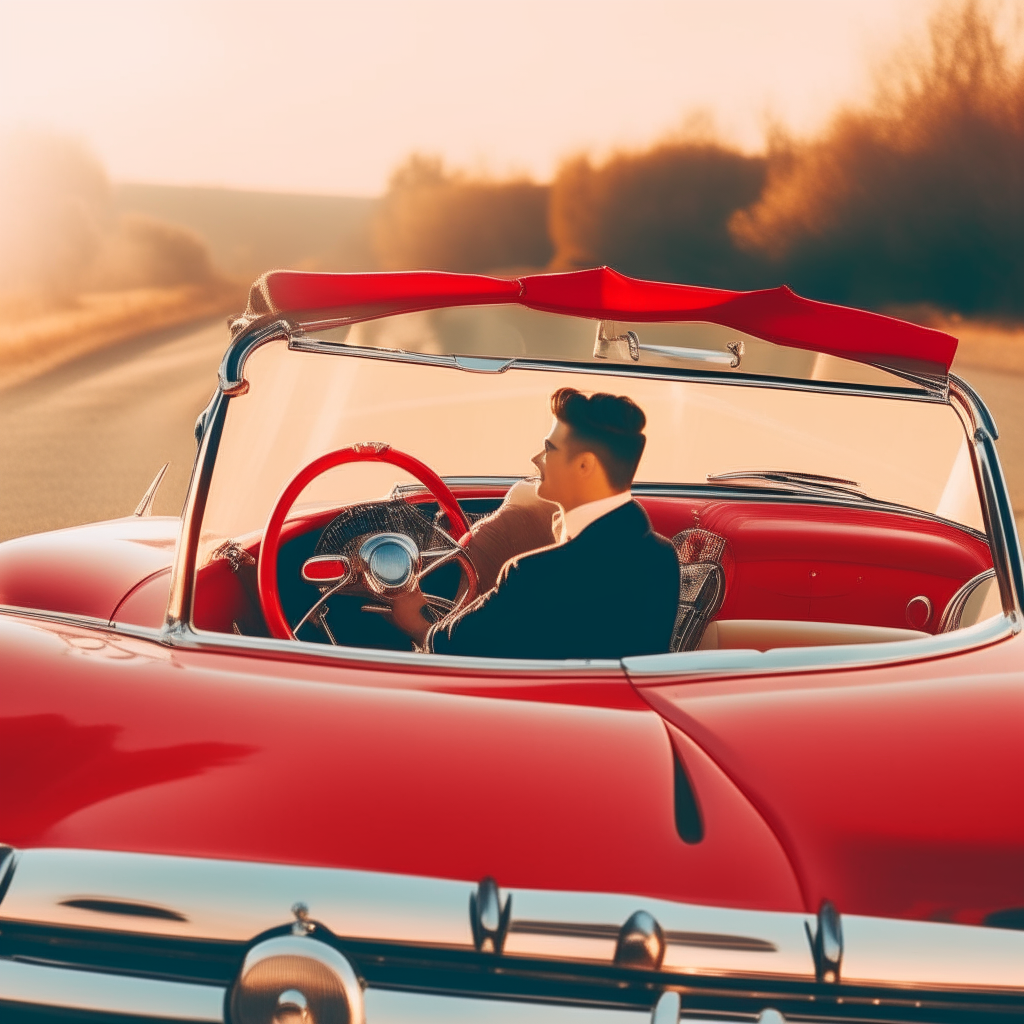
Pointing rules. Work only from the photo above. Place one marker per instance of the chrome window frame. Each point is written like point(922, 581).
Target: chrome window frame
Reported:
point(978, 423)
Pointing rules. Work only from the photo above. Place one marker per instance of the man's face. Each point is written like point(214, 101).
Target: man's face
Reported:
point(557, 463)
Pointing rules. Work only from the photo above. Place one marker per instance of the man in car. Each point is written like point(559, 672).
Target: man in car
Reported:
point(609, 585)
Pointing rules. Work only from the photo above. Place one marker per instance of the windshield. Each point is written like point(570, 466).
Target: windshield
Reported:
point(302, 404)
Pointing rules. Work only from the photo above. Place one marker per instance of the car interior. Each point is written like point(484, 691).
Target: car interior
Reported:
point(755, 574)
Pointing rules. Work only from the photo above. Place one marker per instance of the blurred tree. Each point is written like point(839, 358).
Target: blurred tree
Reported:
point(54, 205)
point(660, 214)
point(430, 218)
point(919, 198)
point(143, 251)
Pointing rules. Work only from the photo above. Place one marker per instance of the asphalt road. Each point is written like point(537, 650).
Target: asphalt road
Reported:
point(82, 442)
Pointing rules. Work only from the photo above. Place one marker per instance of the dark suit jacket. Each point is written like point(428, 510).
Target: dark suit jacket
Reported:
point(610, 592)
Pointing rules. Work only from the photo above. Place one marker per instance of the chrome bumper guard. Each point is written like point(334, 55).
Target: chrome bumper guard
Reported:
point(143, 937)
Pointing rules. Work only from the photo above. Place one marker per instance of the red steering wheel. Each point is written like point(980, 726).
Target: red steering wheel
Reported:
point(372, 451)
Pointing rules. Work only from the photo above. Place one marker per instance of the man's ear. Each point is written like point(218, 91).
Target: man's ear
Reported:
point(587, 462)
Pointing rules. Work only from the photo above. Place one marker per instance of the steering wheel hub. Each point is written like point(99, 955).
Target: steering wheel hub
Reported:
point(390, 563)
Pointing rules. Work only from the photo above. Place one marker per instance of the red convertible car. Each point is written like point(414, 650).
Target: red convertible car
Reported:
point(231, 790)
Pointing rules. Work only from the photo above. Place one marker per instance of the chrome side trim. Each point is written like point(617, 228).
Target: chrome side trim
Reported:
point(85, 622)
point(62, 988)
point(302, 650)
point(186, 638)
point(786, 660)
point(667, 667)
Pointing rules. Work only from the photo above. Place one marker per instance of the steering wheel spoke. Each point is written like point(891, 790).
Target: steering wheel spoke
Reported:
point(434, 558)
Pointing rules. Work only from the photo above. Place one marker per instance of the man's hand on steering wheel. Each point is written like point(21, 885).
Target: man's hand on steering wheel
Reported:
point(407, 614)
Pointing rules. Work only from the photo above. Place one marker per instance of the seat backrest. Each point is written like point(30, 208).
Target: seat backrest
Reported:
point(701, 585)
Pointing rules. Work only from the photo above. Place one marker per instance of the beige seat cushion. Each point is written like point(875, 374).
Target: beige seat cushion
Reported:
point(765, 634)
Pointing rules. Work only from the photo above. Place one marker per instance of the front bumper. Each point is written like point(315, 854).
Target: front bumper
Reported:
point(98, 936)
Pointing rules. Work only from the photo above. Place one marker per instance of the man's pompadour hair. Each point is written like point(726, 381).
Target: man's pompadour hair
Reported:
point(611, 426)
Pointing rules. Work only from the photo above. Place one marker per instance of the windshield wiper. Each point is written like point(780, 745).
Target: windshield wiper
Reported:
point(812, 483)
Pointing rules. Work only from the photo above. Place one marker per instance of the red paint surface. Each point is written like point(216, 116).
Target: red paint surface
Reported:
point(146, 603)
point(86, 570)
point(775, 314)
point(122, 744)
point(897, 791)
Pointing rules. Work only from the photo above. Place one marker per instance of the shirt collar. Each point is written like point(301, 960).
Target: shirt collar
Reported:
point(574, 522)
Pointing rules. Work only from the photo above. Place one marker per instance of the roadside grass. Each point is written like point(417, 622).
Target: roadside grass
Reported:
point(32, 342)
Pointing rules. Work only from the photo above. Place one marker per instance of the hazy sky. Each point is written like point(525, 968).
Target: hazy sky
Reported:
point(330, 97)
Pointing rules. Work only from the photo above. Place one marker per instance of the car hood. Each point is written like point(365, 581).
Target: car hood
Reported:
point(121, 743)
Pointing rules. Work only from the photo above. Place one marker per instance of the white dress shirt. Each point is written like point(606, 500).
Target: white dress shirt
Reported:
point(572, 523)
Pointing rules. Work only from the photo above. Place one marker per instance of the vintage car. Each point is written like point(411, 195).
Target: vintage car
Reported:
point(232, 790)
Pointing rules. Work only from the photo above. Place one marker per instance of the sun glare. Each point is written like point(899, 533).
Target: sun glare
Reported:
point(183, 92)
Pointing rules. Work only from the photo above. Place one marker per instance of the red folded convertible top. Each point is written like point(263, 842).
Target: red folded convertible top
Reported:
point(778, 315)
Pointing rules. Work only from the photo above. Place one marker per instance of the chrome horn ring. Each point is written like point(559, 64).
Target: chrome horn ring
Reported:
point(389, 563)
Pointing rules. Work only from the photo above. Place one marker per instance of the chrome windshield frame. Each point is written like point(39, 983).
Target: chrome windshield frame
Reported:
point(299, 341)
point(978, 424)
